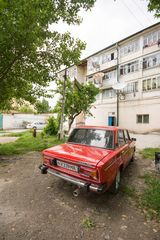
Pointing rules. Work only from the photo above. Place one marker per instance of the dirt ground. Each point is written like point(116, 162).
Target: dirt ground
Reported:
point(42, 207)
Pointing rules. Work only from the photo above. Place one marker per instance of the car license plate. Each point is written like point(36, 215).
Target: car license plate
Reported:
point(67, 166)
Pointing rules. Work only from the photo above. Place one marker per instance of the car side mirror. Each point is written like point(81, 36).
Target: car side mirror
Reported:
point(134, 139)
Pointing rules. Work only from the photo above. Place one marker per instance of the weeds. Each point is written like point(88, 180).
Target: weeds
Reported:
point(149, 152)
point(88, 223)
point(150, 199)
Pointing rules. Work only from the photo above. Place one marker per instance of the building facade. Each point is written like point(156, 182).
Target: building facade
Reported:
point(135, 62)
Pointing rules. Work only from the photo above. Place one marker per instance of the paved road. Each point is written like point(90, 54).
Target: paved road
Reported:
point(147, 140)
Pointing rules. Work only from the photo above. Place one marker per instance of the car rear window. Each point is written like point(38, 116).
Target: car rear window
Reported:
point(92, 137)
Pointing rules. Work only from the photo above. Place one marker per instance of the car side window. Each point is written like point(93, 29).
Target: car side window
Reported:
point(126, 135)
point(121, 138)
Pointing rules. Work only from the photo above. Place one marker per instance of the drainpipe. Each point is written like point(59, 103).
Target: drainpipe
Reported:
point(117, 93)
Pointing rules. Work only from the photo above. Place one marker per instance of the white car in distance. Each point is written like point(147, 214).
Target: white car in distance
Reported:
point(37, 125)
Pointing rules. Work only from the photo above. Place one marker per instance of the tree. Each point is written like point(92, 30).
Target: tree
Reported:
point(26, 108)
point(30, 50)
point(154, 5)
point(78, 98)
point(42, 106)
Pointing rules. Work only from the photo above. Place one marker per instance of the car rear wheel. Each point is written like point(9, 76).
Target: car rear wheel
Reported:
point(116, 184)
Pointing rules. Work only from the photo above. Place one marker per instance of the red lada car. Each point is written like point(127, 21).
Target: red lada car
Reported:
point(93, 157)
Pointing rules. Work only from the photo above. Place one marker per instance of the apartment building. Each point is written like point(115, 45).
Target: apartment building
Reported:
point(135, 62)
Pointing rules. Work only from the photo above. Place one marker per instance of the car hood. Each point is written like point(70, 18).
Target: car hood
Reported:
point(78, 153)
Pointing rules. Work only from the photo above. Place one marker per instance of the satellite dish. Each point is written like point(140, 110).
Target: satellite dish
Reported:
point(119, 86)
point(97, 77)
point(95, 64)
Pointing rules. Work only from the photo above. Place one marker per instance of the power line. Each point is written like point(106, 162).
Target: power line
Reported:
point(142, 11)
point(132, 13)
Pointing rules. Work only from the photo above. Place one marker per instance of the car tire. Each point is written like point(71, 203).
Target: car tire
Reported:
point(133, 157)
point(116, 184)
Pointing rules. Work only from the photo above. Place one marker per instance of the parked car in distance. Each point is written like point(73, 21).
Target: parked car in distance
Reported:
point(38, 125)
point(93, 157)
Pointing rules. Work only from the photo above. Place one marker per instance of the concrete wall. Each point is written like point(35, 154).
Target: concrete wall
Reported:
point(128, 112)
point(13, 121)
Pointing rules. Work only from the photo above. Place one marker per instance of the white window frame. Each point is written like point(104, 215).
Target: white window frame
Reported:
point(154, 84)
point(126, 69)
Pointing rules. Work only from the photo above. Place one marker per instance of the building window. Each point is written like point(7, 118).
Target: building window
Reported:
point(129, 68)
point(108, 93)
point(107, 57)
point(109, 75)
point(151, 39)
point(151, 61)
point(129, 48)
point(151, 84)
point(112, 56)
point(131, 87)
point(143, 118)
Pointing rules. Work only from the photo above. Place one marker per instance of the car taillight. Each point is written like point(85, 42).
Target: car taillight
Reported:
point(91, 173)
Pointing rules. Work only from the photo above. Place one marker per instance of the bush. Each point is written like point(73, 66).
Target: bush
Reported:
point(52, 126)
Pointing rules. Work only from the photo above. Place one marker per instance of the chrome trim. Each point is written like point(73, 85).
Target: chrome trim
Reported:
point(75, 181)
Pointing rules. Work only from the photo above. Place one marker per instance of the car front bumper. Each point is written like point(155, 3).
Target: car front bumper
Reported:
point(80, 183)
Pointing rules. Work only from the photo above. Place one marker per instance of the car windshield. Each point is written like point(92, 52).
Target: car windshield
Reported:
point(92, 137)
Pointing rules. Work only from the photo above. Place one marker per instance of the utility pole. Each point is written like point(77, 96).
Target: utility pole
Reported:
point(63, 105)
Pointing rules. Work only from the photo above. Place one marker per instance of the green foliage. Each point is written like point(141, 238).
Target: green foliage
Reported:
point(42, 106)
point(30, 49)
point(26, 109)
point(151, 197)
point(88, 223)
point(27, 143)
point(154, 5)
point(149, 152)
point(77, 98)
point(52, 126)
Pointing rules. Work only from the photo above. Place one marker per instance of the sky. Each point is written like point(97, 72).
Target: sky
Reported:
point(108, 22)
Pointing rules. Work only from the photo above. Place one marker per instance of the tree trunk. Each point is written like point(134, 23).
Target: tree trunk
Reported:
point(71, 119)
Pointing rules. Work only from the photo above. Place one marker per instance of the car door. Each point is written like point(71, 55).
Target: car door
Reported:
point(131, 145)
point(123, 145)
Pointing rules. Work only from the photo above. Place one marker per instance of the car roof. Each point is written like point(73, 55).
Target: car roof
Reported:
point(111, 128)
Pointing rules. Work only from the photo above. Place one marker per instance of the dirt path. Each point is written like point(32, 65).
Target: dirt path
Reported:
point(7, 139)
point(42, 207)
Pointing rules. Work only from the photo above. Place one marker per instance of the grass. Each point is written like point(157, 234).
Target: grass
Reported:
point(149, 152)
point(88, 223)
point(27, 143)
point(150, 199)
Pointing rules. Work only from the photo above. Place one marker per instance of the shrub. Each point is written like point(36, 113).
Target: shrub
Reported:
point(52, 126)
